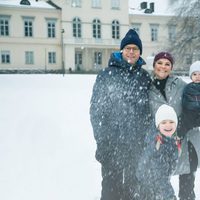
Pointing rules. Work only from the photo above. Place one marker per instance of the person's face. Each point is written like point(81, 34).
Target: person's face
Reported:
point(131, 53)
point(167, 127)
point(196, 77)
point(162, 68)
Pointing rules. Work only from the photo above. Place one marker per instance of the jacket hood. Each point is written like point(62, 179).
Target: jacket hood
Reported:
point(116, 60)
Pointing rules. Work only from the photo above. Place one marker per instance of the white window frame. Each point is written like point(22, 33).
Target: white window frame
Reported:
point(5, 57)
point(51, 28)
point(52, 57)
point(154, 32)
point(115, 4)
point(4, 25)
point(29, 57)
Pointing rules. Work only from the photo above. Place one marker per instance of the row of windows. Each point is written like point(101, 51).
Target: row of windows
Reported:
point(51, 28)
point(29, 57)
point(154, 29)
point(77, 28)
point(115, 4)
point(96, 28)
point(28, 26)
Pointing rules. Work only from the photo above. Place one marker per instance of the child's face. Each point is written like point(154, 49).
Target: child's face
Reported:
point(167, 127)
point(196, 77)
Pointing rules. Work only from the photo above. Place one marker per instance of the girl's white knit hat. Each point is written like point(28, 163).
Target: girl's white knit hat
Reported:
point(195, 67)
point(165, 112)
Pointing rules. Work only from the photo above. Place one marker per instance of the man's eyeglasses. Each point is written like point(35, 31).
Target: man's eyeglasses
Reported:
point(134, 49)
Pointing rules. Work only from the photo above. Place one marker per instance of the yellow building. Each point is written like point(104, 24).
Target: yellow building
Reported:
point(75, 35)
point(30, 36)
point(92, 30)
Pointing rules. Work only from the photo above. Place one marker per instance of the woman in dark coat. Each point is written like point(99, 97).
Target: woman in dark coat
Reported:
point(119, 116)
point(168, 89)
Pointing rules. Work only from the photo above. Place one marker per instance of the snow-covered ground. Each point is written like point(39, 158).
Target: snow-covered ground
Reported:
point(46, 142)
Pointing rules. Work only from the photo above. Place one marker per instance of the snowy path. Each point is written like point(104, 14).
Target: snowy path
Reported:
point(46, 142)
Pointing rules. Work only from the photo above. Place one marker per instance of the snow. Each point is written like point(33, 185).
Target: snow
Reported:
point(160, 7)
point(46, 141)
point(34, 4)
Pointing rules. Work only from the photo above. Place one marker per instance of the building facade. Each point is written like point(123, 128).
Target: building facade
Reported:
point(91, 31)
point(75, 35)
point(30, 36)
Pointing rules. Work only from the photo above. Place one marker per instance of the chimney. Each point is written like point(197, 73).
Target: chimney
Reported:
point(152, 7)
point(143, 5)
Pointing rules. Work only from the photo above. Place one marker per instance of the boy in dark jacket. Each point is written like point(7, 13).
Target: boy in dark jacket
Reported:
point(190, 118)
point(191, 101)
point(160, 157)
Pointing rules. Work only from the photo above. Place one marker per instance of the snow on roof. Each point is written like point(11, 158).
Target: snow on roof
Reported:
point(33, 4)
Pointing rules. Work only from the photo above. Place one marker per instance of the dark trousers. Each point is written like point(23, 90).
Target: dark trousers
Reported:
point(186, 181)
point(112, 183)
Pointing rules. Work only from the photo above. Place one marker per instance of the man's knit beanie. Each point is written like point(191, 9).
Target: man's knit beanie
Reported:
point(131, 37)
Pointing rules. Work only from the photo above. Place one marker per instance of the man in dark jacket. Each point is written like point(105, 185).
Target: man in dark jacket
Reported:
point(119, 115)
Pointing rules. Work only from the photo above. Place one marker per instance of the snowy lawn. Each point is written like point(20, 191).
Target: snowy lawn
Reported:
point(46, 141)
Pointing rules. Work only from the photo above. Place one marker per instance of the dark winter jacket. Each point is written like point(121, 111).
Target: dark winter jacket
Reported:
point(157, 165)
point(191, 97)
point(190, 117)
point(119, 111)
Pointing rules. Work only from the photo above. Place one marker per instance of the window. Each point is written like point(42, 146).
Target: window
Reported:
point(76, 3)
point(115, 4)
point(28, 26)
point(97, 59)
point(51, 28)
point(77, 27)
point(96, 28)
point(96, 3)
point(52, 57)
point(4, 25)
point(78, 60)
point(136, 27)
point(172, 32)
point(5, 57)
point(29, 57)
point(115, 29)
point(154, 32)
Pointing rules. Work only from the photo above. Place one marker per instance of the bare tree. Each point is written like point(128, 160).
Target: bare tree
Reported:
point(186, 45)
